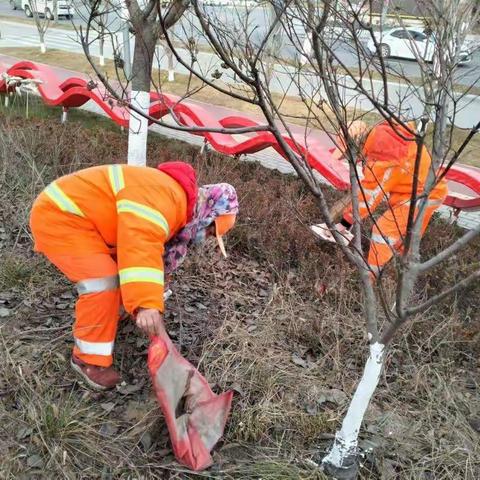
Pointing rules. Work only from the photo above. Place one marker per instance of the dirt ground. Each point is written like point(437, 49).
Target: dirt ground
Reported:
point(279, 322)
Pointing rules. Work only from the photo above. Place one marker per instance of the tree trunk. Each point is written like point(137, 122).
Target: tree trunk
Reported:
point(55, 11)
point(140, 96)
point(275, 43)
point(171, 68)
point(383, 19)
point(341, 462)
point(307, 51)
point(101, 49)
point(43, 47)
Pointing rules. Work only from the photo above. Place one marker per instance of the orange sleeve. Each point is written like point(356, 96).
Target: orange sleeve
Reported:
point(374, 188)
point(146, 216)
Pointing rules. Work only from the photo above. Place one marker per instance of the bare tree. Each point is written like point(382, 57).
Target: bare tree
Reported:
point(335, 92)
point(146, 28)
point(55, 11)
point(41, 21)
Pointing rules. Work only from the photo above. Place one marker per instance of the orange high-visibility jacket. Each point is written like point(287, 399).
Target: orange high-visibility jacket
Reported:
point(135, 209)
point(389, 169)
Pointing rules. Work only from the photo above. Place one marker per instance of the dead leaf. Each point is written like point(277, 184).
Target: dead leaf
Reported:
point(24, 432)
point(387, 469)
point(332, 396)
point(299, 361)
point(4, 312)
point(35, 461)
point(237, 388)
point(475, 424)
point(108, 406)
point(132, 388)
point(146, 441)
point(108, 430)
point(135, 411)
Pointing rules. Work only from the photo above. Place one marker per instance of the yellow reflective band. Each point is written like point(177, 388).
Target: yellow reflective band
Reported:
point(141, 274)
point(142, 211)
point(55, 193)
point(117, 182)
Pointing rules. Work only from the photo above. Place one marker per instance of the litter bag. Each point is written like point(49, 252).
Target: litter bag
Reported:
point(195, 416)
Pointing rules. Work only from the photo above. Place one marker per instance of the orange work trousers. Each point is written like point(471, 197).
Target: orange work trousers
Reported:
point(77, 249)
point(98, 305)
point(390, 229)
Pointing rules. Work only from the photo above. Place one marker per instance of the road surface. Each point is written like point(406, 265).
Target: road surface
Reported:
point(257, 22)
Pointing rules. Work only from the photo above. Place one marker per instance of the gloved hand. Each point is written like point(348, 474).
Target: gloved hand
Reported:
point(322, 231)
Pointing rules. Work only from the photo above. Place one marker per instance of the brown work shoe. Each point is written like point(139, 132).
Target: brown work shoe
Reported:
point(100, 378)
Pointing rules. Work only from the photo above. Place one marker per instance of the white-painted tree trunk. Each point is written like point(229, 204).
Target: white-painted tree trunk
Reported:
point(171, 69)
point(307, 51)
point(138, 129)
point(101, 48)
point(43, 47)
point(346, 439)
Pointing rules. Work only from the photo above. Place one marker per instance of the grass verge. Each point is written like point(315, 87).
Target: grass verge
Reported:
point(279, 322)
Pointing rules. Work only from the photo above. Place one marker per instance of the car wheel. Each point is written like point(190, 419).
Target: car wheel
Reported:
point(28, 11)
point(384, 50)
point(48, 14)
point(13, 5)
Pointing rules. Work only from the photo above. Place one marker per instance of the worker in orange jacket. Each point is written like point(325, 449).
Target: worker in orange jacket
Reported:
point(389, 152)
point(117, 231)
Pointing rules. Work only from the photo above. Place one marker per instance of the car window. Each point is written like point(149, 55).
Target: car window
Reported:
point(417, 36)
point(400, 34)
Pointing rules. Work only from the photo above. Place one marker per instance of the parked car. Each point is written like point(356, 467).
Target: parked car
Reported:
point(46, 8)
point(410, 43)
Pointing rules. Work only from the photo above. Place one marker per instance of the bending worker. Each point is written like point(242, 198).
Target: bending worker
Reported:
point(389, 154)
point(116, 231)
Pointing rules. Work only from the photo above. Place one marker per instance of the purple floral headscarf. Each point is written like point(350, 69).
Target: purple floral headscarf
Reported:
point(213, 201)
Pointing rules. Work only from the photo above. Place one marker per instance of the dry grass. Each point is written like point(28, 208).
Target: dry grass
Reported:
point(292, 355)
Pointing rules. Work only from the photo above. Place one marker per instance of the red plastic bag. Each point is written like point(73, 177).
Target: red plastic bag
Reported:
point(195, 416)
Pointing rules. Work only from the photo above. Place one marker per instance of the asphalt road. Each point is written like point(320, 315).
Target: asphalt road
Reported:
point(285, 80)
point(257, 20)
